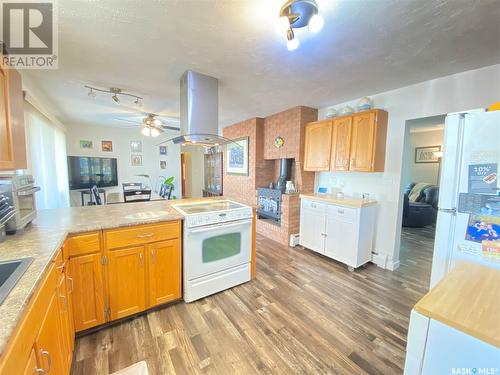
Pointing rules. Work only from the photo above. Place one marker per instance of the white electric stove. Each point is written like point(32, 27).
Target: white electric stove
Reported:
point(217, 246)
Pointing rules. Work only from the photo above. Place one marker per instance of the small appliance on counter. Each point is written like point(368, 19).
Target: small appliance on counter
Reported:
point(7, 212)
point(19, 191)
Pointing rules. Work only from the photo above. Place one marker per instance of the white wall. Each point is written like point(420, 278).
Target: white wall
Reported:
point(472, 89)
point(423, 172)
point(121, 150)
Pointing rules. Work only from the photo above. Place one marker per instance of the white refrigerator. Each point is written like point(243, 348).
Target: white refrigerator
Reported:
point(468, 224)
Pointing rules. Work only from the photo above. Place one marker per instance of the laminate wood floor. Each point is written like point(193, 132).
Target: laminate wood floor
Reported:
point(304, 314)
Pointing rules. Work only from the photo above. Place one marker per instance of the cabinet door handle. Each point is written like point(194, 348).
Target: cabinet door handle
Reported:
point(353, 161)
point(147, 235)
point(40, 371)
point(49, 359)
point(153, 256)
point(340, 211)
point(65, 302)
point(72, 284)
point(140, 260)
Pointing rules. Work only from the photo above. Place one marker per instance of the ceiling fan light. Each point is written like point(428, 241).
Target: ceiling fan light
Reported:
point(282, 25)
point(155, 132)
point(292, 44)
point(316, 23)
point(157, 122)
point(146, 131)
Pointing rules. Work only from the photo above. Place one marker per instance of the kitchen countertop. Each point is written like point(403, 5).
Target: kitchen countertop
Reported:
point(45, 236)
point(346, 201)
point(468, 299)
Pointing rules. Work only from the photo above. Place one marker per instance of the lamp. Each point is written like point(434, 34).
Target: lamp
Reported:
point(115, 91)
point(295, 14)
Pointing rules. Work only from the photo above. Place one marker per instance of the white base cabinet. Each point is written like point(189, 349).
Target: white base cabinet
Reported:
point(338, 232)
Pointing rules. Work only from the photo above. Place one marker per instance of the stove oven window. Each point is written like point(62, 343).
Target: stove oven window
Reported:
point(221, 247)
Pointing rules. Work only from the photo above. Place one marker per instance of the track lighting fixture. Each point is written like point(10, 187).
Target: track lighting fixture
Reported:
point(295, 14)
point(116, 93)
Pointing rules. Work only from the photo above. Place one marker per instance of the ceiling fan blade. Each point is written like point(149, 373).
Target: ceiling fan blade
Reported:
point(127, 120)
point(166, 127)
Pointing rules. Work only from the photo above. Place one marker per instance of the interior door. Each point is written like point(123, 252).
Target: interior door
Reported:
point(318, 142)
point(127, 293)
point(164, 272)
point(362, 142)
point(341, 144)
point(88, 291)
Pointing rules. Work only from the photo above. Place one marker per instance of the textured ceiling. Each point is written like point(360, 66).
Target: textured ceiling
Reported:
point(365, 47)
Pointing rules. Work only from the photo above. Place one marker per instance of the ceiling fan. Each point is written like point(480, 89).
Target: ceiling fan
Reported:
point(152, 124)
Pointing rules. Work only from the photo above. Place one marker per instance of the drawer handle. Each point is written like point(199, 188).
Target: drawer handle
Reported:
point(148, 235)
point(340, 211)
point(313, 205)
point(49, 359)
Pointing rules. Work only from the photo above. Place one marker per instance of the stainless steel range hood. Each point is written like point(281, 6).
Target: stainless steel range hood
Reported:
point(199, 111)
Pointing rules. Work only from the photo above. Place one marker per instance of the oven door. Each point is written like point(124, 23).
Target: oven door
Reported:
point(217, 247)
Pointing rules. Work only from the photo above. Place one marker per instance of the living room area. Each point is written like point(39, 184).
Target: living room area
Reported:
point(421, 177)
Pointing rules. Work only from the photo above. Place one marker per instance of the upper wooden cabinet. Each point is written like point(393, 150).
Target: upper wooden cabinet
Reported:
point(12, 138)
point(348, 143)
point(318, 143)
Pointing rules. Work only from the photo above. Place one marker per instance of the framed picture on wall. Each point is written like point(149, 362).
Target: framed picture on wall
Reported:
point(136, 160)
point(237, 157)
point(163, 164)
point(428, 154)
point(86, 144)
point(163, 150)
point(135, 146)
point(107, 146)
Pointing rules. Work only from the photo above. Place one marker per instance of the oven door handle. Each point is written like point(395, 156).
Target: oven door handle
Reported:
point(29, 191)
point(220, 226)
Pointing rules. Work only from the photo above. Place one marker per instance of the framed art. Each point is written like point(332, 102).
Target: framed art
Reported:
point(237, 157)
point(135, 146)
point(136, 160)
point(427, 154)
point(107, 146)
point(163, 164)
point(86, 144)
point(163, 150)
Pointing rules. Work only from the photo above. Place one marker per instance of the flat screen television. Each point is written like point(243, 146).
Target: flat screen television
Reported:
point(84, 172)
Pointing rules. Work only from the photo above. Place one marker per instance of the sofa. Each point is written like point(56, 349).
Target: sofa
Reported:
point(423, 211)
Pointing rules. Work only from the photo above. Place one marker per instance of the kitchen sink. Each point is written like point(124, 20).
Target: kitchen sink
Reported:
point(10, 273)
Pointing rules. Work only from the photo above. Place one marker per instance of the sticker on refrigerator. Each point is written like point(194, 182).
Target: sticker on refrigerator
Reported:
point(483, 178)
point(484, 230)
point(479, 204)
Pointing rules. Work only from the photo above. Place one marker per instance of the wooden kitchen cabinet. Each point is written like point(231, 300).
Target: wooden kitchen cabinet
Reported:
point(12, 137)
point(67, 328)
point(341, 144)
point(127, 293)
point(32, 365)
point(355, 143)
point(164, 272)
point(318, 143)
point(48, 344)
point(86, 274)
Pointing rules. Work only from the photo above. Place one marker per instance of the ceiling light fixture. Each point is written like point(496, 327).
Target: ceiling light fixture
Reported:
point(146, 131)
point(116, 93)
point(295, 14)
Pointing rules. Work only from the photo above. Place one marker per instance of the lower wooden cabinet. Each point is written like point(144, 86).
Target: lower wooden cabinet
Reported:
point(164, 272)
point(66, 318)
point(32, 365)
point(87, 280)
point(127, 293)
point(49, 347)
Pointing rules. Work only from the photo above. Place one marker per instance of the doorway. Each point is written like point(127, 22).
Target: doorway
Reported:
point(420, 179)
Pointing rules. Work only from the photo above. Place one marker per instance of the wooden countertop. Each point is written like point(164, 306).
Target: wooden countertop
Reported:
point(346, 201)
point(468, 299)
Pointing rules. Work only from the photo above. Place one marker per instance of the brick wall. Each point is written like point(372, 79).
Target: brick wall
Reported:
point(244, 188)
point(264, 165)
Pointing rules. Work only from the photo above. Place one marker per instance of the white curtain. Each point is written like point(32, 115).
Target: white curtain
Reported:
point(47, 159)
